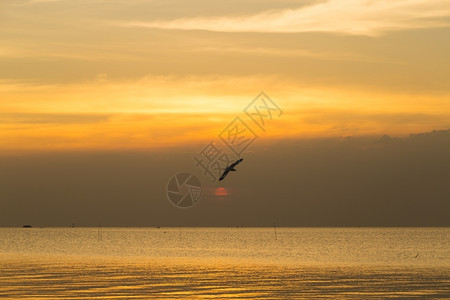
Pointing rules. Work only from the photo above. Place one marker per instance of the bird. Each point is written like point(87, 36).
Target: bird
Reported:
point(230, 168)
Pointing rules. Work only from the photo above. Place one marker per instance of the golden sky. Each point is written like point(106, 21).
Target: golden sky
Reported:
point(133, 74)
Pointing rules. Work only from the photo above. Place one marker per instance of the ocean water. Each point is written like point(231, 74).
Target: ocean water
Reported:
point(224, 263)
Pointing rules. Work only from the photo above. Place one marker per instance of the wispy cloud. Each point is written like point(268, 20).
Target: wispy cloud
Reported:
point(108, 113)
point(337, 16)
point(45, 118)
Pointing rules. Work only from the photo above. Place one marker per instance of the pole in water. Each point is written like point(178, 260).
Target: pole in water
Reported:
point(275, 230)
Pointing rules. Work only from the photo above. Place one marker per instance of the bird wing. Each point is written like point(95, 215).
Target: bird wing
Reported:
point(224, 174)
point(236, 163)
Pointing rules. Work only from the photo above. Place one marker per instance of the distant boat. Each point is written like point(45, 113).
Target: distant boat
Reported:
point(27, 226)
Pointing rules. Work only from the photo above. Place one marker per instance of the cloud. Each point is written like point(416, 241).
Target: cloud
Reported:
point(154, 111)
point(45, 118)
point(357, 181)
point(336, 16)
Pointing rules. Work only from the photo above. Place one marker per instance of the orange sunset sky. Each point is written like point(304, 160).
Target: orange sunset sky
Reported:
point(147, 74)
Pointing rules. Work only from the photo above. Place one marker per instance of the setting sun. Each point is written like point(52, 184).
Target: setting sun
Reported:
point(221, 192)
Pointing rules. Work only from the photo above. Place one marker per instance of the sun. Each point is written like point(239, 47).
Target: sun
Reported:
point(221, 192)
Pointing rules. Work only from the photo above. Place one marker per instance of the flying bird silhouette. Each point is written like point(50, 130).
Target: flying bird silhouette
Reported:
point(230, 168)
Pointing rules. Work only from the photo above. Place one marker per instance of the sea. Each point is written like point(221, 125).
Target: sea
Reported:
point(224, 263)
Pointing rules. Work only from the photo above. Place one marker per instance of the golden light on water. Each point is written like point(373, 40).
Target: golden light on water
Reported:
point(232, 263)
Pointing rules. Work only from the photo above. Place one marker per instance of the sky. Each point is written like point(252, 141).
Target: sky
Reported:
point(101, 100)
